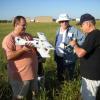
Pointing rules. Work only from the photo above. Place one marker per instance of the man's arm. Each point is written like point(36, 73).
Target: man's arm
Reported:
point(15, 54)
point(80, 52)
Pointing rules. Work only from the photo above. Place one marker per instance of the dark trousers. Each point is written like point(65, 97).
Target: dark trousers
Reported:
point(64, 72)
point(40, 69)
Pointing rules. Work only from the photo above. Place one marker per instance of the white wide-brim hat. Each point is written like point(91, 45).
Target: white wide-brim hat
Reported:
point(63, 17)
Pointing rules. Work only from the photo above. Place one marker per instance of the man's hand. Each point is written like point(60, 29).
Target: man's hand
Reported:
point(25, 48)
point(29, 45)
point(73, 43)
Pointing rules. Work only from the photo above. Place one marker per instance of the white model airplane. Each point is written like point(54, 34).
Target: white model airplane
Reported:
point(41, 43)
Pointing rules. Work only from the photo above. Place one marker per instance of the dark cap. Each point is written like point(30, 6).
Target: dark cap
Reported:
point(86, 17)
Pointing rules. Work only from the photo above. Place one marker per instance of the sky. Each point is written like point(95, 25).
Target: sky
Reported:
point(33, 8)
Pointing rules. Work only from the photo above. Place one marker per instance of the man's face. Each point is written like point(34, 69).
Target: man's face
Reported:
point(64, 24)
point(20, 26)
point(85, 26)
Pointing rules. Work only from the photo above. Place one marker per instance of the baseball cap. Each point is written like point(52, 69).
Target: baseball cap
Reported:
point(86, 17)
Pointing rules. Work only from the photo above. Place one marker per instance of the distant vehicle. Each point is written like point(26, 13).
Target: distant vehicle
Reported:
point(41, 43)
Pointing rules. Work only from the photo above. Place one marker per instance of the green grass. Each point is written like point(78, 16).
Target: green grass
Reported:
point(51, 90)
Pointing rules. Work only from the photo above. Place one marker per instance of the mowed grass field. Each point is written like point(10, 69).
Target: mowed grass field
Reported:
point(50, 90)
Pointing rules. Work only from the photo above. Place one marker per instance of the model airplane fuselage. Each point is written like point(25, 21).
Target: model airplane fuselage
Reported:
point(41, 43)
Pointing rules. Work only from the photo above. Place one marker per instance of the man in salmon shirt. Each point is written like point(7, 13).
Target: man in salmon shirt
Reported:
point(22, 61)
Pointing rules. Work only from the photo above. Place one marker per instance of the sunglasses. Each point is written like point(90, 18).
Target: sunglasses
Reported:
point(64, 21)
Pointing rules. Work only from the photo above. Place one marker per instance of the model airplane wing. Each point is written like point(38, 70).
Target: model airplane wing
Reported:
point(44, 41)
point(41, 36)
point(43, 52)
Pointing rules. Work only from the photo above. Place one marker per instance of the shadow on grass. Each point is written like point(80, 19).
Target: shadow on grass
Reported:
point(51, 84)
point(5, 89)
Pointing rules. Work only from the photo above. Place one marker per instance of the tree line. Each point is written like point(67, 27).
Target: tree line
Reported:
point(5, 21)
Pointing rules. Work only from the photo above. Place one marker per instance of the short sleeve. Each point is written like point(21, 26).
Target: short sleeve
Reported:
point(89, 43)
point(78, 35)
point(8, 45)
